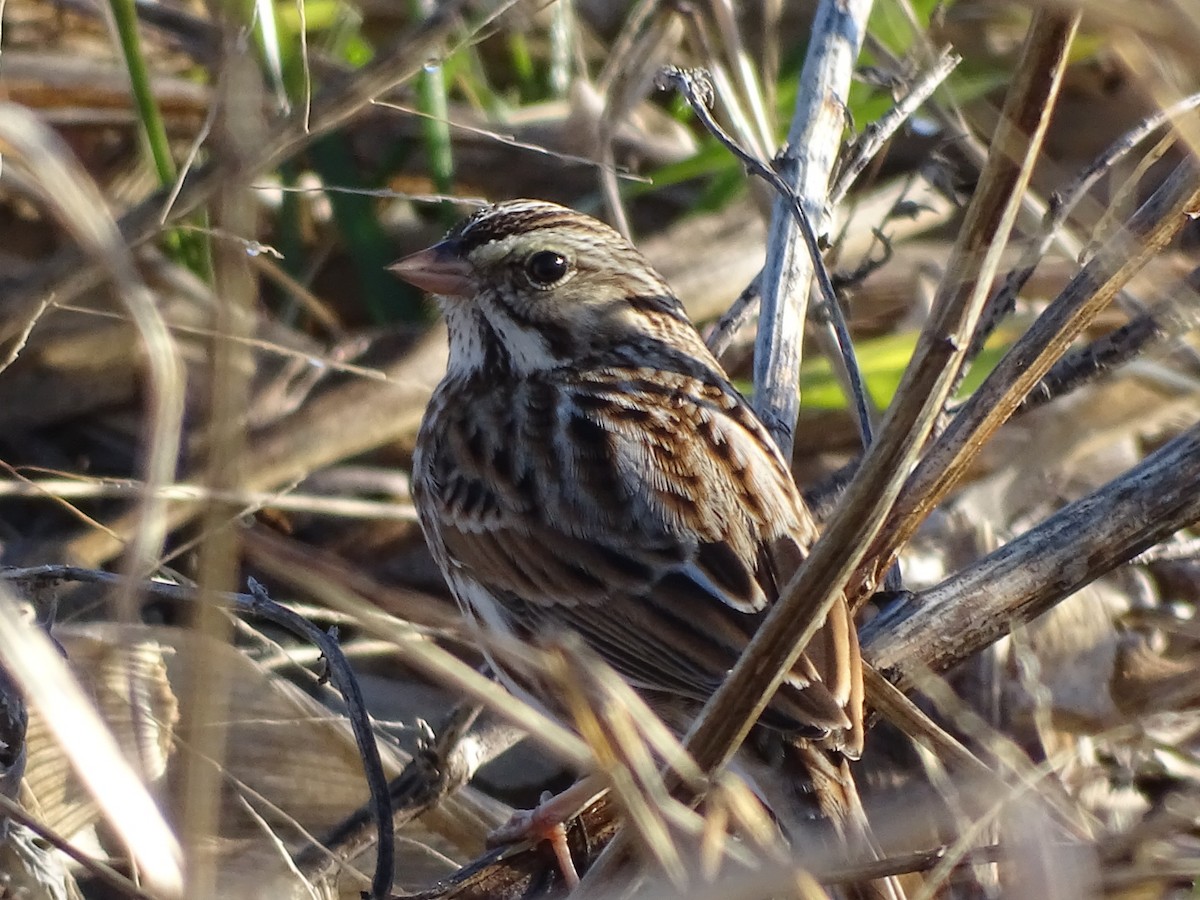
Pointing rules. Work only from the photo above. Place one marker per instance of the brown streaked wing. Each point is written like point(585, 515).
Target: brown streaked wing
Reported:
point(676, 656)
point(667, 506)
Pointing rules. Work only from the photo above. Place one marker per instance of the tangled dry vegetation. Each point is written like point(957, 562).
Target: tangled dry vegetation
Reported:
point(210, 388)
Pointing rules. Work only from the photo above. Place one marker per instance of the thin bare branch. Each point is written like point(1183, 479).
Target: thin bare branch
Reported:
point(878, 133)
point(806, 600)
point(1148, 231)
point(946, 624)
point(805, 167)
point(1062, 203)
point(827, 313)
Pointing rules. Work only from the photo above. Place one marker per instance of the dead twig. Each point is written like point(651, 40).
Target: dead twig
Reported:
point(875, 135)
point(821, 580)
point(1147, 232)
point(1062, 203)
point(947, 624)
point(804, 167)
point(698, 92)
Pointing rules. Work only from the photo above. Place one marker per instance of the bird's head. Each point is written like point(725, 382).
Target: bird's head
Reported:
point(539, 286)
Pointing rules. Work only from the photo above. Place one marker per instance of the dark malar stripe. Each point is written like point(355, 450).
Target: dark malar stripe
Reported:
point(496, 360)
point(559, 339)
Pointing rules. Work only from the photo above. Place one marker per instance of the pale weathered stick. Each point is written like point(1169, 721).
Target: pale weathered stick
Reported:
point(947, 624)
point(813, 143)
point(805, 602)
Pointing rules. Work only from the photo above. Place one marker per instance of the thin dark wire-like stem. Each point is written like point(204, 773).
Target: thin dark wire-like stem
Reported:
point(841, 550)
point(258, 603)
point(445, 762)
point(342, 675)
point(694, 88)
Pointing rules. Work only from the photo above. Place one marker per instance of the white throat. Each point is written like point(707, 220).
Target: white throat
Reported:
point(471, 330)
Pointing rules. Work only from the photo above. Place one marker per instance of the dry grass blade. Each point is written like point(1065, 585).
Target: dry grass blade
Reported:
point(65, 277)
point(77, 203)
point(652, 30)
point(593, 697)
point(119, 883)
point(628, 741)
point(886, 699)
point(1013, 766)
point(67, 274)
point(237, 135)
point(40, 670)
point(759, 133)
point(1063, 203)
point(807, 599)
point(64, 488)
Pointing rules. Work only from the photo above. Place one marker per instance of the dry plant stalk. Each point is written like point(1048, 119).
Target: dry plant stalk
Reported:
point(806, 600)
point(238, 134)
point(923, 393)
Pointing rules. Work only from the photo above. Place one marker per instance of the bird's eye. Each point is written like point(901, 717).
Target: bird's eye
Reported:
point(546, 267)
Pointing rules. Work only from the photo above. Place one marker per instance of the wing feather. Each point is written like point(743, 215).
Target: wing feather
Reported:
point(674, 513)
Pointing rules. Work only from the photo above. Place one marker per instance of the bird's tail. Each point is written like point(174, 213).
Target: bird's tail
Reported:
point(837, 801)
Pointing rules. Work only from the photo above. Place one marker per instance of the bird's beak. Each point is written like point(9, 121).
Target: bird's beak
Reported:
point(438, 270)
